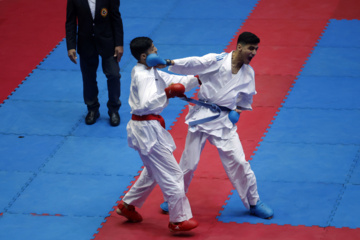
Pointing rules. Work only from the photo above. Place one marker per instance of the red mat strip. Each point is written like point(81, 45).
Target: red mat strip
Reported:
point(348, 9)
point(28, 31)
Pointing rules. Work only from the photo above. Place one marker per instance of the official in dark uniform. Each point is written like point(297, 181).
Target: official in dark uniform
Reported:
point(94, 27)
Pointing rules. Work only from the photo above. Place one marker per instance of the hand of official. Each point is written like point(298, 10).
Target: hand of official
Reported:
point(72, 55)
point(119, 51)
point(153, 60)
point(175, 90)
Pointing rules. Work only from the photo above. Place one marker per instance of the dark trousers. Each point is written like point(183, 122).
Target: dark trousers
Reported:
point(111, 69)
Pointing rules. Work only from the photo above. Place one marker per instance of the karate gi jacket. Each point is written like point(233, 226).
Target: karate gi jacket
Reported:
point(219, 86)
point(147, 96)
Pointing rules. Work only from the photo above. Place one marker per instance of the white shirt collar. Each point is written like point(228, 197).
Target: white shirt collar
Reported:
point(92, 4)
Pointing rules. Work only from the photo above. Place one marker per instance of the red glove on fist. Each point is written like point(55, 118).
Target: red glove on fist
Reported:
point(175, 90)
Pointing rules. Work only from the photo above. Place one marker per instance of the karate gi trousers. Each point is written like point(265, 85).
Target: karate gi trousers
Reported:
point(233, 159)
point(161, 168)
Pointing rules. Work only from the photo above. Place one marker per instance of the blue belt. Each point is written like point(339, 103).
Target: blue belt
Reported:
point(212, 106)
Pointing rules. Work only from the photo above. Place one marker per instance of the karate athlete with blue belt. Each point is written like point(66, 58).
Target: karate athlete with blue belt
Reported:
point(228, 81)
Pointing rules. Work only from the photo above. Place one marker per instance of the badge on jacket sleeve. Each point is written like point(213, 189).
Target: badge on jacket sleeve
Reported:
point(104, 12)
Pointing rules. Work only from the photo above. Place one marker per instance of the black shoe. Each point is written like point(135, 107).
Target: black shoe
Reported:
point(114, 118)
point(91, 117)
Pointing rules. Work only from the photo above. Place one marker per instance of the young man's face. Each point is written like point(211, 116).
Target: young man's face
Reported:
point(247, 52)
point(152, 49)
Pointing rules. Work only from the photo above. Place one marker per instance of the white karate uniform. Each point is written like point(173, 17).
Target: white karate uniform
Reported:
point(223, 88)
point(154, 143)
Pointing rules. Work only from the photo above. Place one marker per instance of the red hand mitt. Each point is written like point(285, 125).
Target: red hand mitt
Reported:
point(175, 90)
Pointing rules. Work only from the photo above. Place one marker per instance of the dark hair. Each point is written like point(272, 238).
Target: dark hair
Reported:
point(248, 38)
point(139, 46)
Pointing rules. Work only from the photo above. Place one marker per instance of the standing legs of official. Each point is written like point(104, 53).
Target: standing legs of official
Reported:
point(111, 69)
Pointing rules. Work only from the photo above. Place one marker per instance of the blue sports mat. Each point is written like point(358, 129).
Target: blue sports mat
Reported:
point(348, 210)
point(311, 125)
point(186, 30)
point(40, 118)
point(73, 194)
point(21, 153)
point(19, 227)
point(295, 203)
point(307, 165)
point(53, 85)
point(304, 162)
point(325, 92)
point(94, 155)
point(11, 185)
point(349, 34)
point(338, 63)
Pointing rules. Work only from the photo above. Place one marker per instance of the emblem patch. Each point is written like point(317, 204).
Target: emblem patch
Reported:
point(104, 12)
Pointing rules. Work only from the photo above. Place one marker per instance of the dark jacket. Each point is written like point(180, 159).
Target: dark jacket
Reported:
point(100, 35)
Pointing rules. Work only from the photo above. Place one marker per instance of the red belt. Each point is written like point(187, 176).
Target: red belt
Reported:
point(149, 117)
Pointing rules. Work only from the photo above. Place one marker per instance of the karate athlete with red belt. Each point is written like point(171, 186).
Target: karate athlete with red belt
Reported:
point(228, 81)
point(146, 133)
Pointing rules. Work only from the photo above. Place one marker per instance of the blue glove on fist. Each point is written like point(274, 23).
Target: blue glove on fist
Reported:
point(234, 116)
point(153, 59)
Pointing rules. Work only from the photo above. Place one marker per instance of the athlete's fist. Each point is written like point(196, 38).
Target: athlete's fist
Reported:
point(175, 90)
point(153, 59)
point(234, 116)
